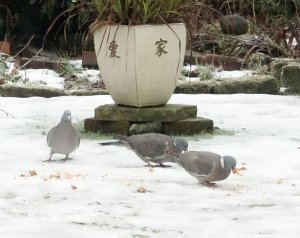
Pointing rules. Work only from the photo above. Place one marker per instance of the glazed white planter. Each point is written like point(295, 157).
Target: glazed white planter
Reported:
point(140, 65)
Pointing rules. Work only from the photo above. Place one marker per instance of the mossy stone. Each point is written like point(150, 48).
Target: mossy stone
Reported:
point(24, 91)
point(106, 127)
point(291, 77)
point(258, 84)
point(234, 25)
point(276, 67)
point(166, 113)
point(148, 127)
point(188, 126)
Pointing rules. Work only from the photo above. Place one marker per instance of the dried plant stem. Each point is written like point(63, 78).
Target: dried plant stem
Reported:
point(20, 51)
point(7, 114)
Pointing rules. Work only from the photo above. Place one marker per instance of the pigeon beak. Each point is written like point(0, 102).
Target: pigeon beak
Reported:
point(234, 170)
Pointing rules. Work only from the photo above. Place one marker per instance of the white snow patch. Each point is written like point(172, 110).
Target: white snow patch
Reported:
point(220, 73)
point(233, 74)
point(43, 76)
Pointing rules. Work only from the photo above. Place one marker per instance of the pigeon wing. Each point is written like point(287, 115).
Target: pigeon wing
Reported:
point(50, 136)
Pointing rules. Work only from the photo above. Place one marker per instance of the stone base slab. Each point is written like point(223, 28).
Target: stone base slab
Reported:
point(106, 127)
point(166, 113)
point(188, 126)
point(172, 119)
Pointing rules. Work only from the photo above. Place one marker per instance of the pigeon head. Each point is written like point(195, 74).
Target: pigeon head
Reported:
point(229, 163)
point(181, 145)
point(176, 147)
point(66, 116)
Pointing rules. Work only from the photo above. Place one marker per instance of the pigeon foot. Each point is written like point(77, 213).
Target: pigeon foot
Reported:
point(65, 159)
point(157, 165)
point(208, 184)
point(48, 160)
point(163, 166)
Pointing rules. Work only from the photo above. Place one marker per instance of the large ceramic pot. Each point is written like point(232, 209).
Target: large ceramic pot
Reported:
point(140, 64)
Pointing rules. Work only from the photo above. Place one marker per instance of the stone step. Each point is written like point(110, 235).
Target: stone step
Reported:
point(166, 113)
point(188, 126)
point(106, 127)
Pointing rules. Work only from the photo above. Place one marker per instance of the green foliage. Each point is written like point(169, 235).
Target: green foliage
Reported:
point(5, 75)
point(2, 67)
point(265, 12)
point(79, 126)
point(185, 72)
point(205, 72)
point(65, 68)
point(140, 11)
point(204, 135)
point(92, 13)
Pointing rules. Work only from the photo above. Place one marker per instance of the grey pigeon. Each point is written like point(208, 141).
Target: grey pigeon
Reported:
point(63, 138)
point(206, 166)
point(150, 147)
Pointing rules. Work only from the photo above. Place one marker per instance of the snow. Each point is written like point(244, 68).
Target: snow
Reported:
point(219, 74)
point(233, 73)
point(95, 194)
point(43, 76)
point(51, 78)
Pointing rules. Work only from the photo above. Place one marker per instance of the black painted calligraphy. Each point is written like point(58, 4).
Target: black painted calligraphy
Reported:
point(113, 46)
point(160, 47)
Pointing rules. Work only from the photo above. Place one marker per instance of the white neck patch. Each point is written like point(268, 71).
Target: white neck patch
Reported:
point(222, 162)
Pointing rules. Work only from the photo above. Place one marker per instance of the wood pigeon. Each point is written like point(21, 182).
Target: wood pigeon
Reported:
point(150, 147)
point(205, 166)
point(63, 138)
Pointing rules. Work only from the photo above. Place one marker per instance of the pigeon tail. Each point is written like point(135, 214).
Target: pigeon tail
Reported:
point(110, 143)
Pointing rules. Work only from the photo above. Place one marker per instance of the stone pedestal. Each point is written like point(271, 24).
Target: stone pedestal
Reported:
point(170, 119)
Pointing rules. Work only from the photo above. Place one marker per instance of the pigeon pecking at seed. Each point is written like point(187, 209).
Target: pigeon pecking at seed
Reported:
point(205, 166)
point(150, 147)
point(63, 138)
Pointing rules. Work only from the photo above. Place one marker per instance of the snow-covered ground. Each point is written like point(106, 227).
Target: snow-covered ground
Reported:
point(52, 79)
point(219, 74)
point(95, 195)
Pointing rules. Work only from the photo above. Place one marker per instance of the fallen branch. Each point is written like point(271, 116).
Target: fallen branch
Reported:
point(20, 51)
point(32, 58)
point(7, 114)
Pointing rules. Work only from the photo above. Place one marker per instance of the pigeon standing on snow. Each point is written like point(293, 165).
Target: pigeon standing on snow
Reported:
point(150, 147)
point(63, 138)
point(206, 166)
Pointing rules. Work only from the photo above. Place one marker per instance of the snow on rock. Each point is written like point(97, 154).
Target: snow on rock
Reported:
point(43, 76)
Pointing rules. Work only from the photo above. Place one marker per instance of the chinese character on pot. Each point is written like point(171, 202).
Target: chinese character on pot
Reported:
point(113, 49)
point(160, 47)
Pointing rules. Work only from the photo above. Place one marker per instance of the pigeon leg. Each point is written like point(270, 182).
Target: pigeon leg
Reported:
point(66, 158)
point(49, 160)
point(149, 165)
